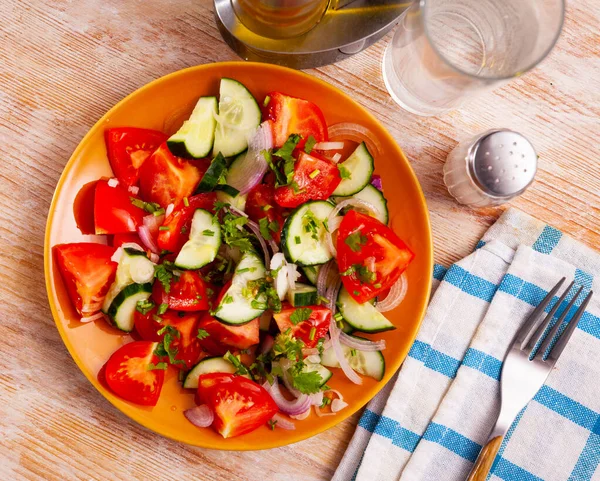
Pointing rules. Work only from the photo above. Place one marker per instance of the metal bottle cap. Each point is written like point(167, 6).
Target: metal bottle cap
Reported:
point(502, 163)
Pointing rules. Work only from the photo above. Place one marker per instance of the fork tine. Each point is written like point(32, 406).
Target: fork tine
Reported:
point(569, 330)
point(547, 341)
point(543, 322)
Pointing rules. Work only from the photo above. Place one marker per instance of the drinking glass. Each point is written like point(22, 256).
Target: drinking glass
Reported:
point(445, 50)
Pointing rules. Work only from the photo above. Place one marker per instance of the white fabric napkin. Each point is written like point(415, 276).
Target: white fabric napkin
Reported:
point(431, 420)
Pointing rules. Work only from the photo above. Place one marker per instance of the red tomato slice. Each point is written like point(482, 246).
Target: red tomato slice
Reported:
point(187, 293)
point(120, 239)
point(319, 319)
point(291, 115)
point(222, 337)
point(315, 179)
point(187, 343)
point(87, 272)
point(127, 373)
point(371, 253)
point(261, 203)
point(166, 179)
point(113, 211)
point(128, 148)
point(240, 405)
point(83, 208)
point(180, 221)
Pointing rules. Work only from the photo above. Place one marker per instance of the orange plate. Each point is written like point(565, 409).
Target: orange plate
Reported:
point(163, 105)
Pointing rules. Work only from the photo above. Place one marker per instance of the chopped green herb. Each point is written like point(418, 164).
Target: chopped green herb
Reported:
point(144, 306)
point(163, 227)
point(377, 286)
point(181, 313)
point(228, 299)
point(326, 401)
point(272, 424)
point(164, 273)
point(245, 269)
point(295, 187)
point(234, 234)
point(202, 334)
point(267, 207)
point(158, 366)
point(157, 318)
point(263, 225)
point(183, 229)
point(149, 207)
point(301, 314)
point(297, 239)
point(208, 233)
point(164, 348)
point(364, 275)
point(322, 300)
point(348, 272)
point(338, 317)
point(281, 180)
point(310, 143)
point(239, 367)
point(158, 212)
point(186, 202)
point(307, 382)
point(356, 293)
point(165, 252)
point(326, 224)
point(355, 241)
point(219, 205)
point(344, 172)
point(162, 308)
point(320, 344)
point(314, 173)
point(353, 352)
point(286, 150)
point(310, 224)
point(313, 332)
point(266, 101)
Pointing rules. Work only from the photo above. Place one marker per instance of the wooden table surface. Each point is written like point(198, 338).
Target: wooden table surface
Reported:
point(63, 63)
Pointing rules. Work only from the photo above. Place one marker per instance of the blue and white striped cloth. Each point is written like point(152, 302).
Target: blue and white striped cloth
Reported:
point(430, 421)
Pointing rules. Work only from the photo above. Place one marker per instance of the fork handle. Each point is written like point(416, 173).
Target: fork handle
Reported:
point(485, 459)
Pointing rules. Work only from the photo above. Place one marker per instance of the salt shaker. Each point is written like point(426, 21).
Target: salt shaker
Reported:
point(491, 168)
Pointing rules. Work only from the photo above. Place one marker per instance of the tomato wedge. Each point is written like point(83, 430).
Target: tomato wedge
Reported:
point(176, 227)
point(291, 115)
point(371, 257)
point(120, 239)
point(83, 208)
point(315, 179)
point(261, 204)
point(240, 405)
point(128, 375)
point(113, 211)
point(87, 272)
point(187, 293)
point(186, 341)
point(166, 179)
point(222, 337)
point(128, 148)
point(319, 320)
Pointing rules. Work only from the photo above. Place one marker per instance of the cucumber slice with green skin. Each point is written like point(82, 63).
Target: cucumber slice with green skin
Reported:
point(122, 308)
point(302, 295)
point(311, 273)
point(299, 246)
point(206, 366)
point(359, 166)
point(196, 136)
point(371, 363)
point(362, 317)
point(211, 177)
point(374, 197)
point(347, 328)
point(236, 305)
point(134, 267)
point(239, 115)
point(322, 370)
point(203, 244)
point(230, 191)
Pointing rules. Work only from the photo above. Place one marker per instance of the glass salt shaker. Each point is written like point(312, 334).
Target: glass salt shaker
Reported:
point(491, 168)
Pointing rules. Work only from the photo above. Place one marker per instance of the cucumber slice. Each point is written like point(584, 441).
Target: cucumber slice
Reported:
point(359, 166)
point(211, 177)
point(207, 365)
point(236, 305)
point(122, 308)
point(239, 115)
point(311, 273)
point(362, 317)
point(322, 370)
point(134, 267)
point(204, 242)
point(299, 246)
point(370, 363)
point(374, 197)
point(302, 295)
point(196, 136)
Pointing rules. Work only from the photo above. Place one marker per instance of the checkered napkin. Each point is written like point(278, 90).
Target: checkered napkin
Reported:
point(431, 420)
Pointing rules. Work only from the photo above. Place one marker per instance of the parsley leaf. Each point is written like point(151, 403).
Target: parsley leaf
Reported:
point(202, 334)
point(301, 314)
point(158, 366)
point(162, 308)
point(281, 180)
point(310, 143)
point(263, 224)
point(239, 367)
point(355, 241)
point(344, 172)
point(285, 152)
point(364, 275)
point(164, 273)
point(307, 382)
point(288, 346)
point(165, 348)
point(233, 232)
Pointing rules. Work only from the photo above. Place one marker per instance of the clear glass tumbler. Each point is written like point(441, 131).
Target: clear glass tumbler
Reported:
point(446, 50)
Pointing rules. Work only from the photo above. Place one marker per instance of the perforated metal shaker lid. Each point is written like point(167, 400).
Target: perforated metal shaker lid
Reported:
point(502, 163)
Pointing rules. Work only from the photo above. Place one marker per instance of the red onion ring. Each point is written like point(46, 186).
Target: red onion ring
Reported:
point(339, 353)
point(284, 423)
point(337, 405)
point(396, 295)
point(356, 133)
point(376, 182)
point(254, 163)
point(298, 406)
point(93, 317)
point(169, 209)
point(146, 238)
point(302, 416)
point(200, 416)
point(361, 344)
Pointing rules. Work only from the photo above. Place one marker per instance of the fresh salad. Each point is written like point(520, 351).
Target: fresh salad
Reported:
point(248, 250)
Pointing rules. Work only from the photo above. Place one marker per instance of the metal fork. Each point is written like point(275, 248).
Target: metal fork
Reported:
point(528, 363)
